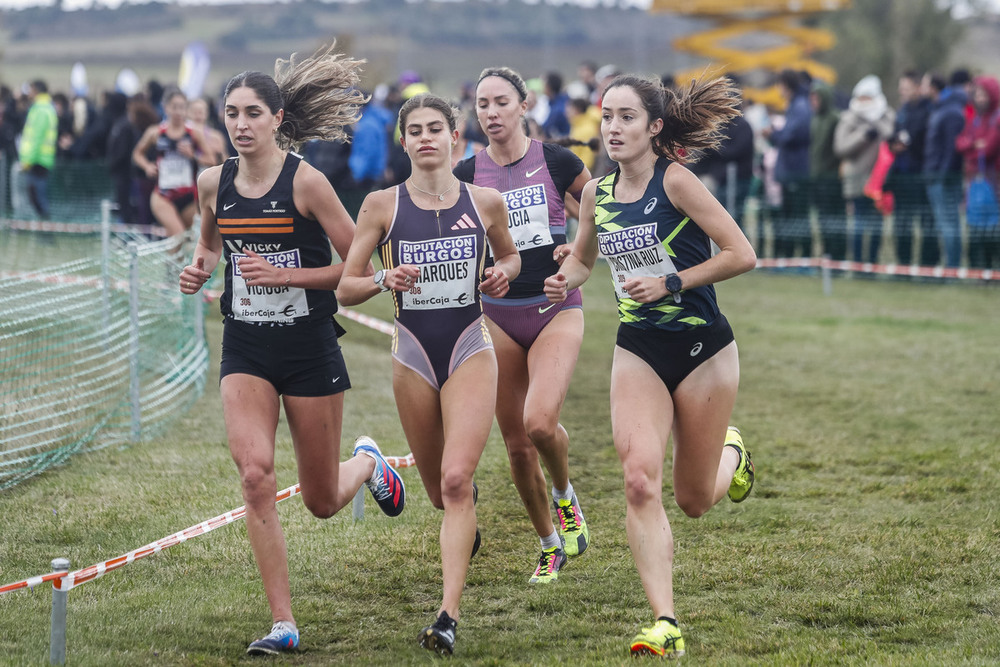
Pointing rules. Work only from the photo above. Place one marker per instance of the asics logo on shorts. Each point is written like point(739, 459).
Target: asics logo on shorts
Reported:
point(696, 350)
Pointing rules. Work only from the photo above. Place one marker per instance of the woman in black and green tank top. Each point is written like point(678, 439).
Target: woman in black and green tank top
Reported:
point(676, 367)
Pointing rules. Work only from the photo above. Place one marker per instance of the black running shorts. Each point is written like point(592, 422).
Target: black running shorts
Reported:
point(673, 355)
point(302, 359)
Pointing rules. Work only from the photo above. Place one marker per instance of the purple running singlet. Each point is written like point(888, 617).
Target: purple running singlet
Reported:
point(439, 321)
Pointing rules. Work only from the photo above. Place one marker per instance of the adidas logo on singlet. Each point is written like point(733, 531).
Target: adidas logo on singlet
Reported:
point(465, 222)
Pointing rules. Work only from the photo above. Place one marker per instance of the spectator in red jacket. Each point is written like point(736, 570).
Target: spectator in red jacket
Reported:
point(979, 146)
point(981, 136)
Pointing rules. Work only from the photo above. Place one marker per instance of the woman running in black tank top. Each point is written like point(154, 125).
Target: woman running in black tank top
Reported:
point(273, 217)
point(676, 368)
point(446, 409)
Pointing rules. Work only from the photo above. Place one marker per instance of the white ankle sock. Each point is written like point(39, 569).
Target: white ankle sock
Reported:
point(552, 540)
point(565, 494)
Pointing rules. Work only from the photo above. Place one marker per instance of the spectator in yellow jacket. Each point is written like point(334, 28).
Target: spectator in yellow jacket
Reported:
point(37, 151)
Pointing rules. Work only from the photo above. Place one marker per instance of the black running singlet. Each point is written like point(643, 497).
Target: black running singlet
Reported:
point(272, 227)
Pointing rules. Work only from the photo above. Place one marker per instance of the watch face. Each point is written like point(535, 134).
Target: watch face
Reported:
point(379, 277)
point(673, 282)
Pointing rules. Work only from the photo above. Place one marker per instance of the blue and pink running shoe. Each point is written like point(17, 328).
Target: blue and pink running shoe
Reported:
point(385, 483)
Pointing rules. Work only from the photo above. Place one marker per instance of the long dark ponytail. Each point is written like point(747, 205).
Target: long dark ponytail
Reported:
point(692, 117)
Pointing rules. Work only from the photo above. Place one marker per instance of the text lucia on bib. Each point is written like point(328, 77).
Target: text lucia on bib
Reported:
point(528, 216)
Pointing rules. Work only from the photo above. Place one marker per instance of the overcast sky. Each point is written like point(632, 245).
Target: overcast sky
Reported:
point(77, 4)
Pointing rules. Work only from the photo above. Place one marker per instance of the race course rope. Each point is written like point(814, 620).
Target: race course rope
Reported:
point(66, 581)
point(884, 269)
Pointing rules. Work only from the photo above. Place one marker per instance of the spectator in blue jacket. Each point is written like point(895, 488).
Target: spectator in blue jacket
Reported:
point(792, 168)
point(556, 124)
point(370, 145)
point(943, 164)
point(905, 179)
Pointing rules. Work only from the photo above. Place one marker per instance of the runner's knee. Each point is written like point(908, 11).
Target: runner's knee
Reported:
point(522, 454)
point(693, 502)
point(322, 507)
point(258, 483)
point(642, 486)
point(541, 426)
point(456, 486)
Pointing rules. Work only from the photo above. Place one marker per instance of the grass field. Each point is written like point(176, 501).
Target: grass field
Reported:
point(870, 538)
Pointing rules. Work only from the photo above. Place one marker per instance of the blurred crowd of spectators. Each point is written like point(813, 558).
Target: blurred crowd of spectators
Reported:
point(830, 173)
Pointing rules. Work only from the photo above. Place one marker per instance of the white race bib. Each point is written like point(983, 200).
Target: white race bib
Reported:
point(253, 303)
point(634, 252)
point(528, 217)
point(447, 272)
point(175, 171)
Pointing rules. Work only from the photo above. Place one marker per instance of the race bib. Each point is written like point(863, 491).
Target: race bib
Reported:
point(634, 252)
point(175, 172)
point(447, 272)
point(528, 217)
point(253, 303)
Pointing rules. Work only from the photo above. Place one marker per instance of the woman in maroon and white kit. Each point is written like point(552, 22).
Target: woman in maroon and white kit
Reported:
point(537, 342)
point(179, 152)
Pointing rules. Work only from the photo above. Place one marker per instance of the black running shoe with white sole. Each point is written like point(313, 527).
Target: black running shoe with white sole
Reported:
point(440, 636)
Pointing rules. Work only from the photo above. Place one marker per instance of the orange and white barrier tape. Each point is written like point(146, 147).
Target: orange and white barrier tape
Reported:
point(400, 461)
point(74, 579)
point(60, 279)
point(65, 581)
point(367, 320)
point(81, 228)
point(32, 582)
point(885, 269)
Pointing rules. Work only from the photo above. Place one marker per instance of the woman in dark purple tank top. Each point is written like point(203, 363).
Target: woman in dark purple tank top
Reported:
point(425, 226)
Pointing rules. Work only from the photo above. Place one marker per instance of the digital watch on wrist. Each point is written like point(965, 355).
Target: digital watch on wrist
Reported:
point(674, 285)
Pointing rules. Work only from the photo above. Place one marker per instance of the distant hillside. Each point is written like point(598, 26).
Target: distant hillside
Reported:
point(447, 42)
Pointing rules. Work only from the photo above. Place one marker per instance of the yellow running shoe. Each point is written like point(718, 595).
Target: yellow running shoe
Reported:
point(742, 482)
point(663, 639)
point(549, 564)
point(572, 526)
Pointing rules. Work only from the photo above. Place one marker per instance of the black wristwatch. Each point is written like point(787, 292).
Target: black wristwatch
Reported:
point(379, 279)
point(674, 286)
